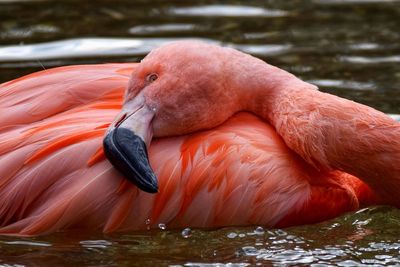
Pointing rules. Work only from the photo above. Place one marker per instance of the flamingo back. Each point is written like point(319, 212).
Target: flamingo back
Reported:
point(53, 173)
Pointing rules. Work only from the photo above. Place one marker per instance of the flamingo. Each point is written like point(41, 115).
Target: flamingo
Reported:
point(231, 141)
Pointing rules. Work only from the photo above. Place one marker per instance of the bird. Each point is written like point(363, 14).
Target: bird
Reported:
point(195, 135)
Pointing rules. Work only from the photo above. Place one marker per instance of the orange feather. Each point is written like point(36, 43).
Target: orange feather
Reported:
point(53, 173)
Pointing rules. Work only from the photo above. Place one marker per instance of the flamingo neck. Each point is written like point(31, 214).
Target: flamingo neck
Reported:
point(329, 132)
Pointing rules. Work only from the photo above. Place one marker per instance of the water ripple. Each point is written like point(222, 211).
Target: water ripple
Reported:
point(263, 50)
point(340, 84)
point(164, 28)
point(29, 31)
point(350, 2)
point(364, 46)
point(197, 264)
point(27, 243)
point(95, 243)
point(370, 60)
point(93, 47)
point(83, 47)
point(226, 11)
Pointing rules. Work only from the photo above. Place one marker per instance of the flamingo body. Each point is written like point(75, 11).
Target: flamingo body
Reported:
point(53, 174)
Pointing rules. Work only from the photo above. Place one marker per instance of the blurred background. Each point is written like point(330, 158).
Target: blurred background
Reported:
point(350, 48)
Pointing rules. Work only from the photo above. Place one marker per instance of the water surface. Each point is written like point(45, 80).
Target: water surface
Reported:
point(368, 237)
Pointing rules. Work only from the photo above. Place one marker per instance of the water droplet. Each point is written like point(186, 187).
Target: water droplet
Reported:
point(361, 223)
point(147, 222)
point(187, 232)
point(259, 231)
point(250, 251)
point(280, 232)
point(162, 226)
point(231, 235)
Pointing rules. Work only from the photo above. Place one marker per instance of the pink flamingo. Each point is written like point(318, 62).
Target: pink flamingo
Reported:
point(237, 142)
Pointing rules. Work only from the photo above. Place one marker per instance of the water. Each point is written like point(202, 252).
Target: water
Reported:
point(370, 236)
point(349, 48)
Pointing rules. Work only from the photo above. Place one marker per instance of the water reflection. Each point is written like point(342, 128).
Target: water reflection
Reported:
point(163, 28)
point(340, 84)
point(94, 47)
point(371, 60)
point(83, 47)
point(226, 11)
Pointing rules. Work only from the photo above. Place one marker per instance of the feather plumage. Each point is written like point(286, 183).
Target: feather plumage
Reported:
point(53, 173)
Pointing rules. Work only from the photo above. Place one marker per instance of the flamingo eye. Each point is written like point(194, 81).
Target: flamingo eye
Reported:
point(151, 77)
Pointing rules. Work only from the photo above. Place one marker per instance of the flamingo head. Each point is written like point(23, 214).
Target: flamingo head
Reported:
point(176, 89)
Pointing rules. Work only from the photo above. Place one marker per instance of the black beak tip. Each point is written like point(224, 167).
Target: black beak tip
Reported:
point(127, 152)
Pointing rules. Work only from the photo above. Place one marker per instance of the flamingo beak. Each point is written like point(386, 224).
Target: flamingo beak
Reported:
point(126, 142)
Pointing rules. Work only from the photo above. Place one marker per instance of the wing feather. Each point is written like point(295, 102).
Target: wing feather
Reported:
point(53, 173)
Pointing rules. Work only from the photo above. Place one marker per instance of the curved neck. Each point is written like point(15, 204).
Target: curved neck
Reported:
point(327, 131)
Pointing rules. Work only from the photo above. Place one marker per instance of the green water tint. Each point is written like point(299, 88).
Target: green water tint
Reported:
point(370, 236)
point(349, 48)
